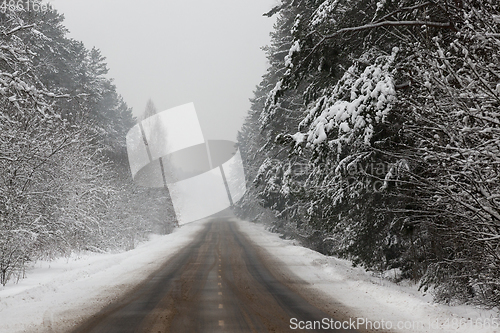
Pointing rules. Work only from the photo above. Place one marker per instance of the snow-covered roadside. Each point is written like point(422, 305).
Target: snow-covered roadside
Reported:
point(383, 303)
point(57, 294)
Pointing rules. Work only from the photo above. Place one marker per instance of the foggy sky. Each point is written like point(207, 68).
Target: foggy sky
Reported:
point(176, 52)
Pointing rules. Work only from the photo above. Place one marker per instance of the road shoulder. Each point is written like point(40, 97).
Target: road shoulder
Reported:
point(352, 294)
point(58, 295)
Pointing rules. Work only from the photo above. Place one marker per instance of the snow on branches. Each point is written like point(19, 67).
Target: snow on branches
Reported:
point(418, 188)
point(361, 99)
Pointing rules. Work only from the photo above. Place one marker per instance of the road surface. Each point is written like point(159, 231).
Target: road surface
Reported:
point(220, 282)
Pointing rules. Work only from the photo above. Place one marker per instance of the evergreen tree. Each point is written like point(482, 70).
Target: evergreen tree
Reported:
point(64, 178)
point(150, 109)
point(396, 125)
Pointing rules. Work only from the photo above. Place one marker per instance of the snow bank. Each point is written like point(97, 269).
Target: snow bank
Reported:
point(58, 294)
point(370, 297)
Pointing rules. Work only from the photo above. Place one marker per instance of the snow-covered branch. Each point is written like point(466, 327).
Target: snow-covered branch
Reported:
point(23, 27)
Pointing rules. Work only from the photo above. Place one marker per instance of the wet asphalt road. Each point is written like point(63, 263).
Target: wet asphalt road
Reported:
point(218, 283)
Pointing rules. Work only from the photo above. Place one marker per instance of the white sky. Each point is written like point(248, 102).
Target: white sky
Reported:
point(176, 52)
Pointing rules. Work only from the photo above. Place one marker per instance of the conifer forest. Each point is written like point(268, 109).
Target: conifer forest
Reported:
point(373, 136)
point(65, 183)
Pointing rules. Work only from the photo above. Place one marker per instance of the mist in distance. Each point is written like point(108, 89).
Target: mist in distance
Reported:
point(176, 52)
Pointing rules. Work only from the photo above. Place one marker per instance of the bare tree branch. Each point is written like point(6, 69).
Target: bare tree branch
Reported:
point(21, 27)
point(390, 23)
point(385, 17)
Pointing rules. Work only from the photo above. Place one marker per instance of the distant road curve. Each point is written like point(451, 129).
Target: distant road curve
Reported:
point(220, 282)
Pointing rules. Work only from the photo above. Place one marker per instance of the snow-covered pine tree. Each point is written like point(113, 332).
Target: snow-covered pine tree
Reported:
point(399, 131)
point(267, 164)
point(65, 183)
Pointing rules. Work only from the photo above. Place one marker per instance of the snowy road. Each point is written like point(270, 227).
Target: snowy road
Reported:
point(59, 295)
point(220, 282)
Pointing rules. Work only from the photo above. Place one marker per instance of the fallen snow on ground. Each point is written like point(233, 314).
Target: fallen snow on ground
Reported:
point(58, 294)
point(379, 301)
